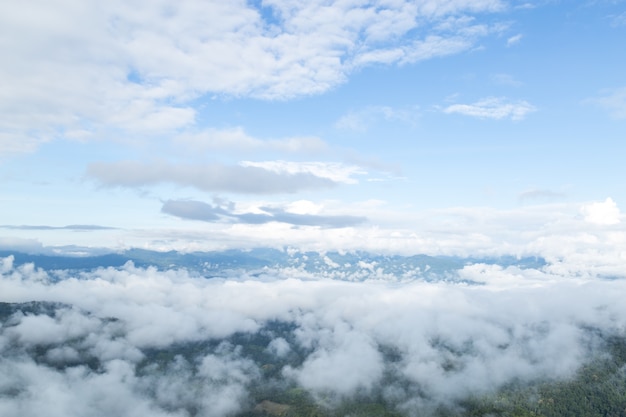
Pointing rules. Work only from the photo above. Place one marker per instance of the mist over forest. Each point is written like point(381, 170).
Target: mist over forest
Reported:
point(267, 332)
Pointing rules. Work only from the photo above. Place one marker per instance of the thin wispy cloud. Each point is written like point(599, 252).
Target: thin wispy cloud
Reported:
point(613, 101)
point(514, 40)
point(332, 171)
point(227, 213)
point(249, 178)
point(363, 119)
point(493, 108)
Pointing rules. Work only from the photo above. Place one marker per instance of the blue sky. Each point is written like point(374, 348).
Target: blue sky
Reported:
point(383, 125)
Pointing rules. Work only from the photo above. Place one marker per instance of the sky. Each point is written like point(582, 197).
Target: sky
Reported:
point(439, 127)
point(451, 127)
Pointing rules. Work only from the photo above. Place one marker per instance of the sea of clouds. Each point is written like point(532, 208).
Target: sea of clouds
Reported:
point(84, 351)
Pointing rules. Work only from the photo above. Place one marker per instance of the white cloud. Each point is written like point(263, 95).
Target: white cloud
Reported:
point(514, 40)
point(279, 347)
point(350, 362)
point(449, 35)
point(42, 329)
point(526, 6)
point(89, 67)
point(304, 207)
point(493, 108)
point(434, 7)
point(430, 47)
point(604, 213)
point(335, 172)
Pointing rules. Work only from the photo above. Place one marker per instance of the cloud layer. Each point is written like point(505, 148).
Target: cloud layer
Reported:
point(84, 351)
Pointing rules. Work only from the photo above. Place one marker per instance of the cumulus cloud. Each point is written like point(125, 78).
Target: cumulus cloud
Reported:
point(222, 211)
point(493, 108)
point(603, 213)
point(252, 178)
